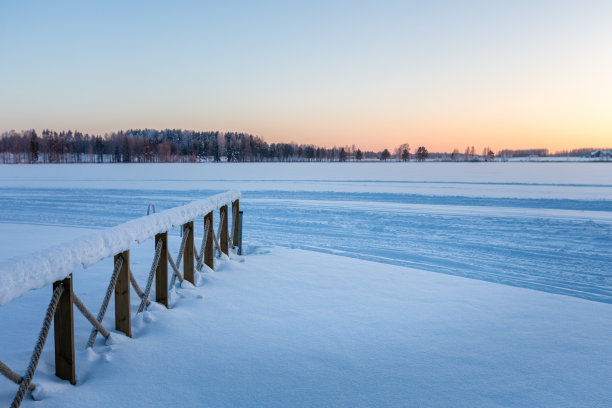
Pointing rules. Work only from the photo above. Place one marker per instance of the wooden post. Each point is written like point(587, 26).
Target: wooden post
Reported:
point(224, 238)
point(188, 267)
point(161, 273)
point(63, 331)
point(209, 255)
point(123, 321)
point(235, 222)
point(240, 233)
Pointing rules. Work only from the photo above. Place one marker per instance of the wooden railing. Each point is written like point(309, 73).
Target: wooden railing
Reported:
point(116, 242)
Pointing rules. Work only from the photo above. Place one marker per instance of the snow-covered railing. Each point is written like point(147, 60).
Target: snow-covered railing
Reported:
point(56, 264)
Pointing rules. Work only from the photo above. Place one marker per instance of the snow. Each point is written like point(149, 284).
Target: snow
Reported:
point(22, 274)
point(291, 323)
point(287, 327)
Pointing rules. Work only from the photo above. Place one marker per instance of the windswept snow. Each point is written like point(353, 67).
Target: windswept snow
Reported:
point(284, 327)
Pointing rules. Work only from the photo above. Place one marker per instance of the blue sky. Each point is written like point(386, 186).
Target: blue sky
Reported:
point(443, 74)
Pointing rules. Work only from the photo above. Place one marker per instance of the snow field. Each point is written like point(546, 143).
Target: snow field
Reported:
point(287, 327)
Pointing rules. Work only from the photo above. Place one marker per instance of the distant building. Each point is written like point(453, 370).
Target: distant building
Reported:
point(602, 154)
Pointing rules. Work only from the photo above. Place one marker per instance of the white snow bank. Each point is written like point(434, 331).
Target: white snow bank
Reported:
point(291, 328)
point(20, 275)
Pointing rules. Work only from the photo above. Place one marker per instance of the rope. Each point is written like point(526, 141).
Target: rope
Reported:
point(176, 272)
point(200, 258)
point(136, 287)
point(79, 304)
point(13, 376)
point(182, 248)
point(151, 207)
point(221, 224)
point(107, 296)
point(198, 254)
point(234, 222)
point(40, 343)
point(179, 258)
point(220, 228)
point(195, 253)
point(216, 241)
point(147, 291)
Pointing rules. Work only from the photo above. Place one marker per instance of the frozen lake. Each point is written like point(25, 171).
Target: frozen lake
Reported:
point(545, 226)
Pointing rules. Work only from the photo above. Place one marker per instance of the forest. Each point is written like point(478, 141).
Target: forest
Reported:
point(177, 145)
point(159, 146)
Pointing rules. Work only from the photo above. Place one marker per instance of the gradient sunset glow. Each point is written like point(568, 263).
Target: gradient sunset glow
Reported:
point(444, 74)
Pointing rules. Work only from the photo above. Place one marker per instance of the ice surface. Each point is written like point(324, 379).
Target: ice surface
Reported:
point(508, 180)
point(545, 226)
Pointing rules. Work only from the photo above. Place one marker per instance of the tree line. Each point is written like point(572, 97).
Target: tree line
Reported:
point(161, 146)
point(177, 145)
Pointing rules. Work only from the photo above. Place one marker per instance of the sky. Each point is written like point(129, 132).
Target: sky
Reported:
point(376, 74)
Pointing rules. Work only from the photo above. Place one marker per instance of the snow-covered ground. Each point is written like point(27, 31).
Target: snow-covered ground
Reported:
point(293, 324)
point(287, 327)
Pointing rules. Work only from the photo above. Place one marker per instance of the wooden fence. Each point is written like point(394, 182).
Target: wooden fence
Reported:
point(61, 306)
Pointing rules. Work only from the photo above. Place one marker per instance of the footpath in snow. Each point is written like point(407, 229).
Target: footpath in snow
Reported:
point(287, 327)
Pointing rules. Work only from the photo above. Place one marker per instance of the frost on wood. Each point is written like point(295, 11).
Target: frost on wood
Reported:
point(44, 267)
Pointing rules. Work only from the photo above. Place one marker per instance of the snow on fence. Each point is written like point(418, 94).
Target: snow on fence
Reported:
point(56, 264)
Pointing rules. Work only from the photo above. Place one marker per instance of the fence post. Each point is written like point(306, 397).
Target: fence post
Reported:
point(240, 233)
point(63, 331)
point(209, 255)
point(223, 235)
point(235, 222)
point(161, 273)
point(123, 321)
point(188, 267)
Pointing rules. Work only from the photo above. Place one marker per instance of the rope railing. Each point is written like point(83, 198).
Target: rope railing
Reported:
point(179, 258)
point(235, 217)
point(109, 291)
point(150, 208)
point(13, 376)
point(136, 287)
point(147, 290)
point(217, 236)
point(200, 256)
point(24, 384)
point(94, 322)
point(221, 221)
point(175, 271)
point(61, 304)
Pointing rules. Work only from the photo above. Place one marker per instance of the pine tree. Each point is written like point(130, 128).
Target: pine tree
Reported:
point(385, 155)
point(422, 153)
point(33, 147)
